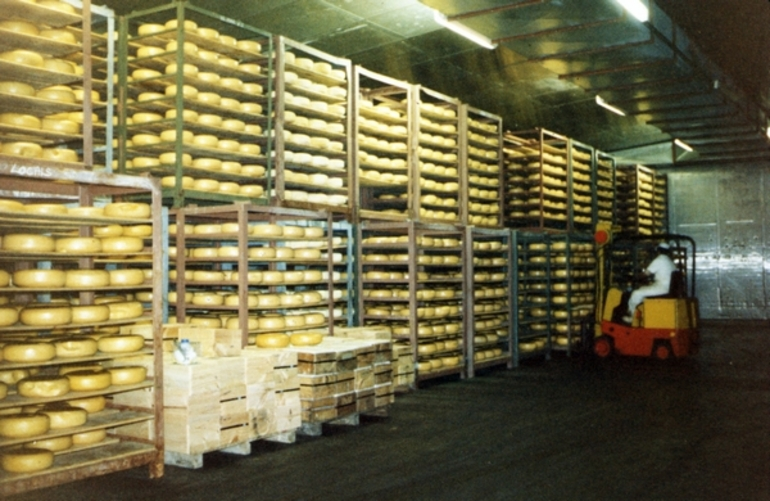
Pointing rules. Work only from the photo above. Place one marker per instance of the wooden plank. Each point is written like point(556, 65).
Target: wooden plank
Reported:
point(79, 465)
point(319, 379)
point(326, 390)
point(327, 367)
point(329, 401)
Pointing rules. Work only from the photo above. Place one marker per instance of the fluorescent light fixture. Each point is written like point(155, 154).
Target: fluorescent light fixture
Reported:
point(682, 145)
point(636, 8)
point(767, 132)
point(462, 30)
point(601, 102)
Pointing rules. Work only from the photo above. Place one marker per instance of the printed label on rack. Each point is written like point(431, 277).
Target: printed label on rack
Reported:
point(32, 170)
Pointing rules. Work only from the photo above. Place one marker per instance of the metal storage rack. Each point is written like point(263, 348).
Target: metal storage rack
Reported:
point(532, 324)
point(634, 203)
point(537, 180)
point(311, 139)
point(660, 204)
point(488, 267)
point(583, 177)
point(411, 279)
point(573, 289)
point(384, 146)
point(220, 252)
point(605, 187)
point(195, 104)
point(436, 179)
point(30, 181)
point(481, 155)
point(65, 127)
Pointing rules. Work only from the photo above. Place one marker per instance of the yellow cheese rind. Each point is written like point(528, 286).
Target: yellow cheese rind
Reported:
point(28, 352)
point(272, 340)
point(64, 416)
point(306, 338)
point(90, 405)
point(43, 386)
point(75, 347)
point(24, 425)
point(132, 374)
point(89, 380)
point(121, 343)
point(26, 460)
point(89, 437)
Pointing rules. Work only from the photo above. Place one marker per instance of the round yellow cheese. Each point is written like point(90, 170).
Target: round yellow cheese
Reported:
point(271, 322)
point(26, 460)
point(127, 210)
point(306, 338)
point(25, 57)
point(272, 340)
point(57, 444)
point(22, 149)
point(87, 278)
point(131, 374)
point(121, 343)
point(126, 277)
point(75, 347)
point(89, 437)
point(43, 386)
point(78, 245)
point(62, 416)
point(90, 404)
point(17, 88)
point(13, 376)
point(24, 242)
point(46, 316)
point(90, 314)
point(28, 352)
point(120, 245)
point(89, 380)
point(57, 5)
point(52, 279)
point(314, 319)
point(3, 390)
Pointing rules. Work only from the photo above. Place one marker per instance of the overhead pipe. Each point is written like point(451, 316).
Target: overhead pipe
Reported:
point(562, 29)
point(615, 69)
point(593, 52)
point(494, 10)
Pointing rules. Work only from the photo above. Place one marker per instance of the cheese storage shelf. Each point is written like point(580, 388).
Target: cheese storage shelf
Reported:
point(195, 89)
point(605, 187)
point(582, 187)
point(310, 144)
point(436, 176)
point(384, 145)
point(634, 206)
point(488, 313)
point(282, 261)
point(38, 187)
point(51, 62)
point(536, 180)
point(410, 279)
point(660, 204)
point(481, 143)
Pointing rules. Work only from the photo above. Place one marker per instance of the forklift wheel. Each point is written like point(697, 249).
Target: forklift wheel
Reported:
point(662, 351)
point(603, 346)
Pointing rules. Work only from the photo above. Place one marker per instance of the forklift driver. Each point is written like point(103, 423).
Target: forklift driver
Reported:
point(660, 269)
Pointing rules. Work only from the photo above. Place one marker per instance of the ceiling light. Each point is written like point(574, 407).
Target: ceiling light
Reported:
point(601, 102)
point(636, 8)
point(462, 30)
point(767, 132)
point(682, 145)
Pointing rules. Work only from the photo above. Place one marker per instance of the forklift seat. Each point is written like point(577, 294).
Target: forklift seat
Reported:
point(677, 288)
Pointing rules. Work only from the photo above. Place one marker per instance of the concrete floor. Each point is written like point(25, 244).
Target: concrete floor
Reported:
point(569, 429)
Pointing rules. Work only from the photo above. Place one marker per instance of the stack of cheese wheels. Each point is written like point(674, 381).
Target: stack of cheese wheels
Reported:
point(26, 460)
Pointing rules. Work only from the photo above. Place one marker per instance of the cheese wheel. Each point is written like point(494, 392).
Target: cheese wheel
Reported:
point(56, 94)
point(75, 347)
point(26, 460)
point(120, 245)
point(131, 374)
point(315, 319)
point(121, 343)
point(148, 51)
point(22, 149)
point(35, 278)
point(89, 380)
point(25, 57)
point(90, 404)
point(137, 230)
point(89, 437)
point(28, 352)
point(90, 314)
point(59, 155)
point(306, 338)
point(60, 66)
point(207, 229)
point(125, 310)
point(87, 278)
point(47, 209)
point(43, 386)
point(11, 377)
point(267, 230)
point(271, 322)
point(272, 340)
point(128, 210)
point(8, 316)
point(17, 88)
point(46, 316)
point(62, 416)
point(78, 245)
point(207, 299)
point(126, 277)
point(57, 444)
point(23, 27)
point(57, 5)
point(295, 321)
point(22, 242)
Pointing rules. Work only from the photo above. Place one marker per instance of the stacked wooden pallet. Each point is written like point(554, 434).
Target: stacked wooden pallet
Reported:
point(403, 367)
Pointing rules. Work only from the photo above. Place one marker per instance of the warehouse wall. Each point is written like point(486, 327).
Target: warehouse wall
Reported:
point(727, 212)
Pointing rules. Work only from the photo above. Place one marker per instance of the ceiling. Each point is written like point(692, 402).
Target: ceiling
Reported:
point(697, 71)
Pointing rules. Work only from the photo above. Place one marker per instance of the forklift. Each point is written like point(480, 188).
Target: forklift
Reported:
point(663, 326)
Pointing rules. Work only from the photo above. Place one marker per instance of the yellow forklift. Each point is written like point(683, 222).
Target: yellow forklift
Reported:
point(663, 326)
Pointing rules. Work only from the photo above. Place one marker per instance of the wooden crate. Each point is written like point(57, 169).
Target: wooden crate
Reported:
point(371, 332)
point(209, 342)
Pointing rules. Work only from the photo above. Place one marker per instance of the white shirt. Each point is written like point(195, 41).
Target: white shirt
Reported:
point(661, 268)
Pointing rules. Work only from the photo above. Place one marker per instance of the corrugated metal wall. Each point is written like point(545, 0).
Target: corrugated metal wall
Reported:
point(726, 212)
